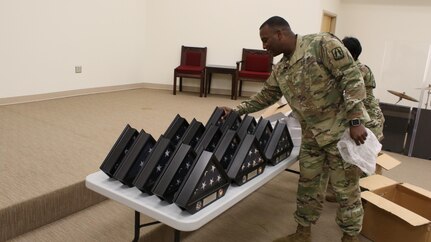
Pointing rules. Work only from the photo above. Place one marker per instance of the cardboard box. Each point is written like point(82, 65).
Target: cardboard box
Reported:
point(385, 161)
point(279, 107)
point(395, 212)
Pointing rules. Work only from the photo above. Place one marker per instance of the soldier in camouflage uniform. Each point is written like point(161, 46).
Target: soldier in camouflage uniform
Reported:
point(371, 104)
point(324, 88)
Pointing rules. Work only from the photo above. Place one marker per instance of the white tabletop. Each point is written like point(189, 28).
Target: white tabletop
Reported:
point(171, 214)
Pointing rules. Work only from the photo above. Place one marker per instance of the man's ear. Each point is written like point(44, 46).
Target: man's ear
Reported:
point(279, 34)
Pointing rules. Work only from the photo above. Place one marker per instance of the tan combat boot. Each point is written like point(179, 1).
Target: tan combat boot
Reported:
point(302, 234)
point(349, 238)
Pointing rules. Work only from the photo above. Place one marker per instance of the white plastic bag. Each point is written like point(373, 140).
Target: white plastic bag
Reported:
point(363, 156)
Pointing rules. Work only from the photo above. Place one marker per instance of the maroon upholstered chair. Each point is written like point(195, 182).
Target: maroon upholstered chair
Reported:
point(193, 61)
point(256, 66)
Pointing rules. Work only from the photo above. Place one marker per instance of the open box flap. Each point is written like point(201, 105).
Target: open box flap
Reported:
point(417, 189)
point(375, 182)
point(278, 107)
point(387, 162)
point(395, 209)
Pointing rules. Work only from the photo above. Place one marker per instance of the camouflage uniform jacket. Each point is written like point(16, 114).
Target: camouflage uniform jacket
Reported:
point(322, 85)
point(371, 104)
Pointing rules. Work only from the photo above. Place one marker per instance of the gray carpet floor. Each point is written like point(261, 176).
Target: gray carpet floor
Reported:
point(51, 144)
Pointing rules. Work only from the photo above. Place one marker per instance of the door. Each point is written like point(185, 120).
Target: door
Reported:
point(328, 22)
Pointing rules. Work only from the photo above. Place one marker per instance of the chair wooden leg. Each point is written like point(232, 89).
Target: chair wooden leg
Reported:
point(181, 84)
point(235, 87)
point(240, 88)
point(175, 85)
point(207, 86)
point(201, 87)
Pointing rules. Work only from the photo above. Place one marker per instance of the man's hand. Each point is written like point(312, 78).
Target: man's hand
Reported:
point(226, 110)
point(358, 134)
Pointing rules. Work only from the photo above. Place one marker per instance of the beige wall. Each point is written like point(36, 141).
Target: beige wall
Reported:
point(135, 41)
point(130, 41)
point(224, 26)
point(395, 38)
point(42, 41)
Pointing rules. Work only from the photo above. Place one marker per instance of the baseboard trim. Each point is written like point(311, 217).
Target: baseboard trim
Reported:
point(79, 92)
point(95, 90)
point(217, 91)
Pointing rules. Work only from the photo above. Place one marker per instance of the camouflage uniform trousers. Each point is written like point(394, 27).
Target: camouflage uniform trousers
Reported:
point(316, 165)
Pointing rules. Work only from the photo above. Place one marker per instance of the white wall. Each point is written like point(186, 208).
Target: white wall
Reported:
point(130, 41)
point(395, 38)
point(41, 41)
point(135, 41)
point(223, 26)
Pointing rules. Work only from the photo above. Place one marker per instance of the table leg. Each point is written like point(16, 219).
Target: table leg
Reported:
point(208, 82)
point(235, 87)
point(138, 226)
point(177, 236)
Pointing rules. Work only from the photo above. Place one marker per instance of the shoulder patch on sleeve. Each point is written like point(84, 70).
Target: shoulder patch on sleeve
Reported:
point(337, 53)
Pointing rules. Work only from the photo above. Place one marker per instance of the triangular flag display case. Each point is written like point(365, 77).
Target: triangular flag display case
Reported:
point(192, 165)
point(193, 133)
point(175, 173)
point(248, 126)
point(263, 133)
point(176, 129)
point(231, 121)
point(119, 150)
point(227, 147)
point(280, 144)
point(209, 140)
point(135, 158)
point(204, 184)
point(219, 118)
point(160, 155)
point(248, 162)
point(216, 117)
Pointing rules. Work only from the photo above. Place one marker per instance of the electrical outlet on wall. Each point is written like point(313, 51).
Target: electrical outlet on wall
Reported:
point(78, 69)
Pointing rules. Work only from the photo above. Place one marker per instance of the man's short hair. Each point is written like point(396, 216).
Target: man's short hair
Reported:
point(353, 45)
point(276, 21)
